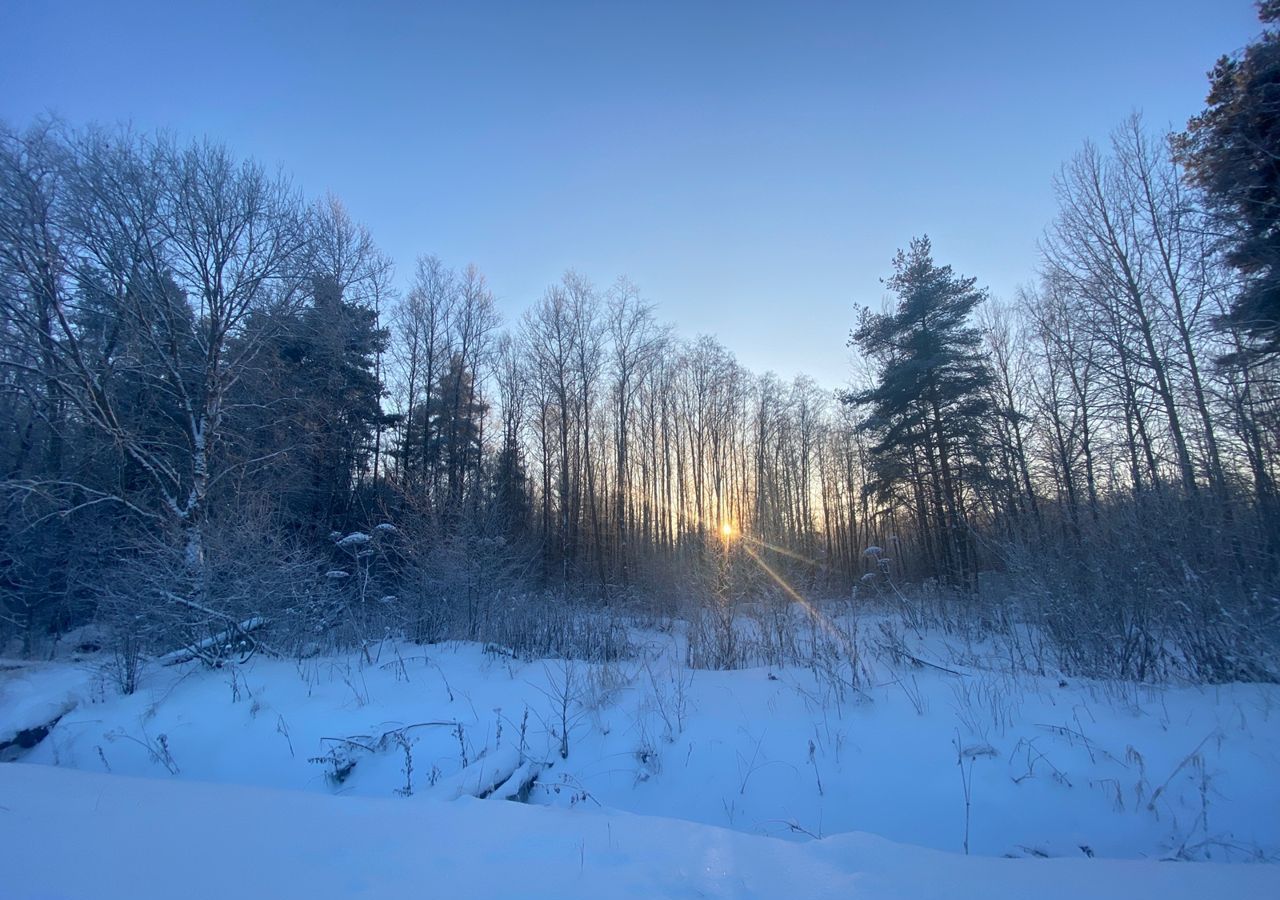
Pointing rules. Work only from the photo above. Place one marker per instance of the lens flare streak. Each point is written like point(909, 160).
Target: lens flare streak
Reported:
point(814, 612)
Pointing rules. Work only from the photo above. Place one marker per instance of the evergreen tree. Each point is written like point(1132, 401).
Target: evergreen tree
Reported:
point(326, 358)
point(1232, 152)
point(511, 510)
point(457, 416)
point(930, 399)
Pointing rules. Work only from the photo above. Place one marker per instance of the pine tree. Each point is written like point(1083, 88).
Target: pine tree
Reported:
point(927, 408)
point(1232, 152)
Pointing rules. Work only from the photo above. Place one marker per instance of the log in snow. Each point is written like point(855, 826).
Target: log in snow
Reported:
point(194, 651)
point(482, 777)
point(521, 782)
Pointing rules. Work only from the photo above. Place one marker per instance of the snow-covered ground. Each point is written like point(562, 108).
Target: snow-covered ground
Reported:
point(80, 835)
point(664, 781)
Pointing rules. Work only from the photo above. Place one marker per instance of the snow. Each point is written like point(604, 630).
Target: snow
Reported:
point(354, 539)
point(78, 835)
point(32, 695)
point(725, 776)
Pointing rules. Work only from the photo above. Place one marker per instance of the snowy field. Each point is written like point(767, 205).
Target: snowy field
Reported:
point(361, 776)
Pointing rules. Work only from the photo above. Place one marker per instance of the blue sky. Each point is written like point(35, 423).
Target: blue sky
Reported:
point(752, 167)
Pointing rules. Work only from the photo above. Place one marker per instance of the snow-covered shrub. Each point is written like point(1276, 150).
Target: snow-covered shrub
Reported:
point(255, 588)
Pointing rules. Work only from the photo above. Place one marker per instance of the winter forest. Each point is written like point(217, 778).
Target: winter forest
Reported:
point(239, 441)
point(221, 414)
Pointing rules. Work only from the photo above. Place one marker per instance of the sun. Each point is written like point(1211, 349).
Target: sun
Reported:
point(726, 530)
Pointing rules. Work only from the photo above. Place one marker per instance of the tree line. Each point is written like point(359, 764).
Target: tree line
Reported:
point(220, 408)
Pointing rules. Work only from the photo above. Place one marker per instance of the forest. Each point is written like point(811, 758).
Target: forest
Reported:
point(229, 425)
point(369, 529)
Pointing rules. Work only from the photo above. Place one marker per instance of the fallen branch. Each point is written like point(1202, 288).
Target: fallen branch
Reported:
point(924, 662)
point(383, 738)
point(364, 747)
point(236, 631)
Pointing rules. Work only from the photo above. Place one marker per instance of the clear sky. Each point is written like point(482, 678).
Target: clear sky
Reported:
point(752, 166)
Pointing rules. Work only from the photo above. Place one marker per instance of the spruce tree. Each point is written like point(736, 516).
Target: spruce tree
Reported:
point(324, 374)
point(457, 414)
